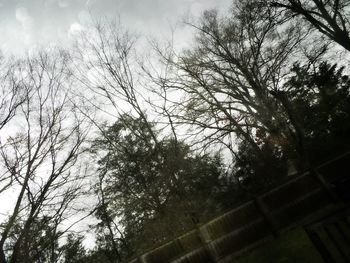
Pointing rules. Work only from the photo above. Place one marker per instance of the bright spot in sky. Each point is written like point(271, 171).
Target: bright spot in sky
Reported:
point(75, 28)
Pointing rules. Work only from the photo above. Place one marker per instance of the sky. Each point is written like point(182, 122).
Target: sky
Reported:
point(31, 24)
point(27, 24)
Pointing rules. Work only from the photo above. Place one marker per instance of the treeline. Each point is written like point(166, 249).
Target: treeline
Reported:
point(146, 147)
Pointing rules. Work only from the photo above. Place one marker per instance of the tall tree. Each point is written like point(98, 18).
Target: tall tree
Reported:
point(108, 66)
point(12, 94)
point(73, 249)
point(232, 79)
point(42, 156)
point(320, 95)
point(331, 18)
point(144, 185)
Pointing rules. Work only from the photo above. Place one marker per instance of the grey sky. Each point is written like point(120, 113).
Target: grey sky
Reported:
point(25, 24)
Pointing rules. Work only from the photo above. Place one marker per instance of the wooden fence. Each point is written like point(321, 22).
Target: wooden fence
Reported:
point(331, 236)
point(298, 201)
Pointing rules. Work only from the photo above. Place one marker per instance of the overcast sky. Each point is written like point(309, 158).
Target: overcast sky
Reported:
point(25, 24)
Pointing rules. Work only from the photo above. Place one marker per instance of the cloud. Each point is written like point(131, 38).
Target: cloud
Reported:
point(75, 29)
point(23, 17)
point(46, 21)
point(26, 21)
point(84, 17)
point(89, 3)
point(63, 3)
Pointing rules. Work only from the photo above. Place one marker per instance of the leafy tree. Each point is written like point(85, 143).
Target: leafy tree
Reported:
point(40, 243)
point(320, 94)
point(144, 185)
point(255, 175)
point(73, 250)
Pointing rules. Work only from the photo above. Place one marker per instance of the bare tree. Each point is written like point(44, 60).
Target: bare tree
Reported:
point(233, 78)
point(107, 58)
point(43, 155)
point(331, 18)
point(11, 93)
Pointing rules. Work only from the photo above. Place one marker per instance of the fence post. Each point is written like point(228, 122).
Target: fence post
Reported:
point(271, 222)
point(178, 243)
point(205, 244)
point(326, 186)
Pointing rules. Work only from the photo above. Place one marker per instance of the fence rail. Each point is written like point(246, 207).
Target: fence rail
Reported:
point(298, 201)
point(331, 237)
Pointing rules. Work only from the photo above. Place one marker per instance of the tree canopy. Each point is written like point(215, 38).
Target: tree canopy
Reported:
point(139, 149)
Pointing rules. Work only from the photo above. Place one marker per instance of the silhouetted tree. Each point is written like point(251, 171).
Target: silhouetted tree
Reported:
point(42, 156)
point(144, 185)
point(331, 18)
